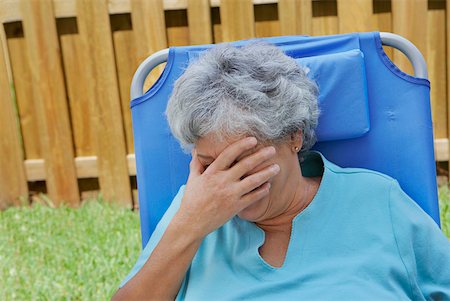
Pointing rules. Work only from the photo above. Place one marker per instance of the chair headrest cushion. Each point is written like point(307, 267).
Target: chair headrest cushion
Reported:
point(343, 99)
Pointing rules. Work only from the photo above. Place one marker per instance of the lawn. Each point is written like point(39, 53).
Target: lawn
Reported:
point(66, 254)
point(82, 254)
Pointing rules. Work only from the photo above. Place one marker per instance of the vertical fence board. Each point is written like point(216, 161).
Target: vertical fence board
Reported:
point(238, 21)
point(437, 65)
point(149, 28)
point(409, 19)
point(287, 12)
point(304, 14)
point(177, 27)
point(382, 20)
point(95, 30)
point(448, 72)
point(266, 20)
point(325, 20)
point(199, 18)
point(295, 17)
point(217, 25)
point(49, 90)
point(23, 87)
point(125, 55)
point(355, 15)
point(76, 77)
point(13, 184)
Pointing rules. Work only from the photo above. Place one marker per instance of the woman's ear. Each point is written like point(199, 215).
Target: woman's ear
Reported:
point(296, 139)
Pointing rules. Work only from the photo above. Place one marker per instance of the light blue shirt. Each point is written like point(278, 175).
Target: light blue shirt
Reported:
point(361, 238)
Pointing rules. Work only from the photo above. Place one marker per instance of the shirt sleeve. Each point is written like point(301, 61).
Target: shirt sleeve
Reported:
point(156, 235)
point(423, 247)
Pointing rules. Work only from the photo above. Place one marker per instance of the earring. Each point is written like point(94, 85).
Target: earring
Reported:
point(296, 149)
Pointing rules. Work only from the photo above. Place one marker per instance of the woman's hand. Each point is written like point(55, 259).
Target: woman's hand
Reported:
point(214, 195)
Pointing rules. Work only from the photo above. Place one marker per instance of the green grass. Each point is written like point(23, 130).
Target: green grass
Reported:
point(66, 254)
point(444, 207)
point(79, 254)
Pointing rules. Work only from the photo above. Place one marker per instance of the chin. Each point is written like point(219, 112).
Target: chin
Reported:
point(255, 211)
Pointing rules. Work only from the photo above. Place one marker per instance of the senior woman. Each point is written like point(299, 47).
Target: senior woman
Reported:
point(264, 217)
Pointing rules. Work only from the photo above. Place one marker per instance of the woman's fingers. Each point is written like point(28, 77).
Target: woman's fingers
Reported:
point(231, 152)
point(195, 166)
point(257, 179)
point(255, 195)
point(249, 163)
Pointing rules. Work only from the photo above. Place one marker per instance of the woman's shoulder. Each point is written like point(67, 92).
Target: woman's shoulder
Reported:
point(358, 184)
point(360, 173)
point(357, 177)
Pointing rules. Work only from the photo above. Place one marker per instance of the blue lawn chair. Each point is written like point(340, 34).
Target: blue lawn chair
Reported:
point(373, 116)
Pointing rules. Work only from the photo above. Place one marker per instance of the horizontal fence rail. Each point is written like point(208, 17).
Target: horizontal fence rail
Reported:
point(66, 69)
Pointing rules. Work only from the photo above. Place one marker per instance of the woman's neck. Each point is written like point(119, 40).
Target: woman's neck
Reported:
point(303, 192)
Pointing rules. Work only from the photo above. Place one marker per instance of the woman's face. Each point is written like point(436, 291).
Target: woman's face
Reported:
point(276, 202)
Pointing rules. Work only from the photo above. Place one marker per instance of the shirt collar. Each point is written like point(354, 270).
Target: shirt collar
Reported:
point(314, 164)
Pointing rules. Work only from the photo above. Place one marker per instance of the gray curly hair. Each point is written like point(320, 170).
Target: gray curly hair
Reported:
point(254, 90)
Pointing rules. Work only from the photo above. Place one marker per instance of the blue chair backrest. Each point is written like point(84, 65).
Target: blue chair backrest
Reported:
point(373, 116)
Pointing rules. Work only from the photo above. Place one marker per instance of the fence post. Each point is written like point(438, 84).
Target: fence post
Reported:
point(409, 19)
point(149, 28)
point(51, 100)
point(238, 20)
point(13, 183)
point(355, 15)
point(95, 31)
point(295, 17)
point(199, 18)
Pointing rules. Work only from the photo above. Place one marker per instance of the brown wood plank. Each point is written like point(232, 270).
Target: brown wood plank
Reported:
point(437, 64)
point(325, 20)
point(266, 20)
point(76, 77)
point(199, 18)
point(125, 55)
point(409, 19)
point(448, 71)
point(217, 25)
point(95, 30)
point(21, 73)
point(238, 21)
point(13, 184)
point(295, 17)
point(355, 15)
point(51, 107)
point(150, 33)
point(177, 28)
point(382, 19)
point(87, 168)
point(304, 13)
point(287, 12)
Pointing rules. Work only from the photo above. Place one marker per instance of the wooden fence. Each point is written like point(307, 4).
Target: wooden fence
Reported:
point(66, 68)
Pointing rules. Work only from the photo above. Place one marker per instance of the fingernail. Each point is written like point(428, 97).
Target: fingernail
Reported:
point(276, 168)
point(252, 140)
point(271, 150)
